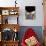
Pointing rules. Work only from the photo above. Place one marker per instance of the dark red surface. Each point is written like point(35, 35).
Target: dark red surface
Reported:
point(29, 33)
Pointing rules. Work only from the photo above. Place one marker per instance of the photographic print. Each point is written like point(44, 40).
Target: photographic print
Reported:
point(30, 12)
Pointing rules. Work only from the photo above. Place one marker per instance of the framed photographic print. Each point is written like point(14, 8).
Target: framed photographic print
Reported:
point(30, 12)
point(13, 12)
point(5, 12)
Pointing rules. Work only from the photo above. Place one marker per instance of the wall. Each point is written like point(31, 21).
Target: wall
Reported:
point(39, 13)
point(22, 21)
point(38, 30)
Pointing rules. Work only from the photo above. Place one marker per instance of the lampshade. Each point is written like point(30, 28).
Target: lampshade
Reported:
point(15, 30)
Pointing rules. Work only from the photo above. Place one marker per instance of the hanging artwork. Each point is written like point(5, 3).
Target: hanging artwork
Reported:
point(30, 12)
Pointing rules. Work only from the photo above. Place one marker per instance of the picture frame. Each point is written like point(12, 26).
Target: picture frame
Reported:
point(13, 12)
point(5, 12)
point(30, 12)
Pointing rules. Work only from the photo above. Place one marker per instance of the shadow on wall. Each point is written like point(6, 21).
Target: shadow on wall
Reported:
point(37, 29)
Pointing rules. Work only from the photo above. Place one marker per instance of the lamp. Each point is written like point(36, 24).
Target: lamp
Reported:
point(15, 35)
point(15, 30)
point(15, 3)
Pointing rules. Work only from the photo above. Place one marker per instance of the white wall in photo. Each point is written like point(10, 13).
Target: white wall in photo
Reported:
point(38, 21)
